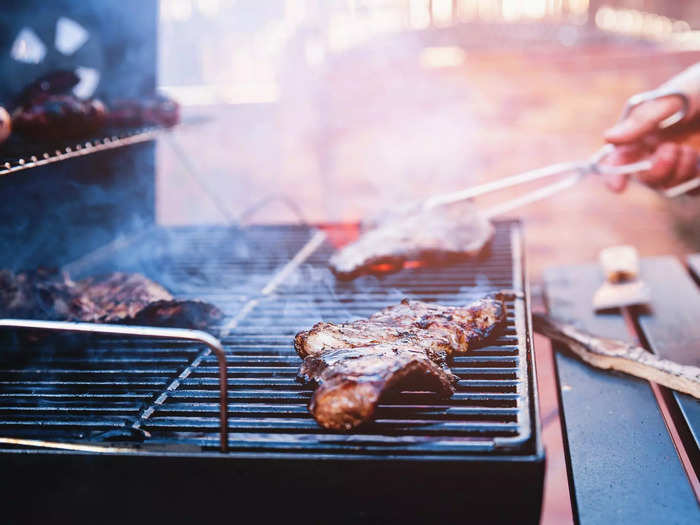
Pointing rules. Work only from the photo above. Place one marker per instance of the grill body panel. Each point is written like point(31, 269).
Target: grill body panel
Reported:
point(157, 401)
point(189, 489)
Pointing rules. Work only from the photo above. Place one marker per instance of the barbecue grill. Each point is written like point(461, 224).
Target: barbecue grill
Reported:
point(112, 428)
point(94, 422)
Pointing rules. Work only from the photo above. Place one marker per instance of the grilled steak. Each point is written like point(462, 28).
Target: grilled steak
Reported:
point(402, 346)
point(38, 294)
point(441, 234)
point(327, 336)
point(115, 298)
point(47, 109)
point(60, 117)
point(440, 329)
point(59, 82)
point(197, 315)
point(157, 110)
point(352, 380)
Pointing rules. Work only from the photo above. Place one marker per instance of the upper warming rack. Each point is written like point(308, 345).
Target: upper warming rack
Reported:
point(16, 155)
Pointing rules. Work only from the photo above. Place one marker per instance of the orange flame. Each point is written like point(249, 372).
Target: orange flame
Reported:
point(388, 267)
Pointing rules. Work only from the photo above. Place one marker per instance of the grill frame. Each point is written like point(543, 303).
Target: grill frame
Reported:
point(517, 463)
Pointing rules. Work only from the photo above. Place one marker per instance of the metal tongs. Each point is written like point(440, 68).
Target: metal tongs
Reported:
point(577, 170)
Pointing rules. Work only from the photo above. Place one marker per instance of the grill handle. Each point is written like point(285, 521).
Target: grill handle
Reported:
point(145, 331)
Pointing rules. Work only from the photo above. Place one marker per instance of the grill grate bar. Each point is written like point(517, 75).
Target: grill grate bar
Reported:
point(257, 408)
point(308, 425)
point(288, 382)
point(125, 407)
point(145, 413)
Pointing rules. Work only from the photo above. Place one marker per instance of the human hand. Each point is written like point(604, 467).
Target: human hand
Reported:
point(671, 163)
point(638, 136)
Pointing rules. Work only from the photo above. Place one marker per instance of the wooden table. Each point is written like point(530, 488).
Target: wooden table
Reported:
point(631, 446)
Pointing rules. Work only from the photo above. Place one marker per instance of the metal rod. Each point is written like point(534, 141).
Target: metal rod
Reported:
point(593, 164)
point(145, 331)
point(299, 258)
point(532, 196)
point(507, 182)
point(645, 165)
point(76, 447)
point(682, 188)
point(214, 196)
point(79, 150)
point(663, 92)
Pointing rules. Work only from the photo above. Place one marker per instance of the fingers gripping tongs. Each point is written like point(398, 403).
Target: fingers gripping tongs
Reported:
point(576, 170)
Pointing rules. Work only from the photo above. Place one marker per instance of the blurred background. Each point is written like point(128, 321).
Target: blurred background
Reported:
point(333, 109)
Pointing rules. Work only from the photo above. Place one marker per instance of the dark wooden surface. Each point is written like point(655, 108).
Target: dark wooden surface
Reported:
point(623, 466)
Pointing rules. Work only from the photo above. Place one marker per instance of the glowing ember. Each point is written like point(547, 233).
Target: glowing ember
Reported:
point(389, 267)
point(383, 268)
point(341, 234)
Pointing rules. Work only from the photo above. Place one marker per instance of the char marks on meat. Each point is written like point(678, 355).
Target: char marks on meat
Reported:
point(441, 329)
point(197, 315)
point(60, 117)
point(352, 380)
point(115, 298)
point(445, 233)
point(403, 346)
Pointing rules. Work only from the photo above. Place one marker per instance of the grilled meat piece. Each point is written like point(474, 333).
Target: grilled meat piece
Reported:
point(197, 315)
point(464, 326)
point(362, 360)
point(37, 294)
point(352, 380)
point(156, 110)
point(436, 328)
point(46, 109)
point(327, 336)
point(442, 234)
point(58, 82)
point(115, 298)
point(402, 346)
point(59, 117)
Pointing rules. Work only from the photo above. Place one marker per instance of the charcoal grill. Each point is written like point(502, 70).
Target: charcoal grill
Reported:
point(124, 428)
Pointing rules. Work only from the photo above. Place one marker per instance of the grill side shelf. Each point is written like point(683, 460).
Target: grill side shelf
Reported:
point(599, 410)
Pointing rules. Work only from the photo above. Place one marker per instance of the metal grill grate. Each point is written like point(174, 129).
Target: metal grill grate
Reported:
point(114, 389)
